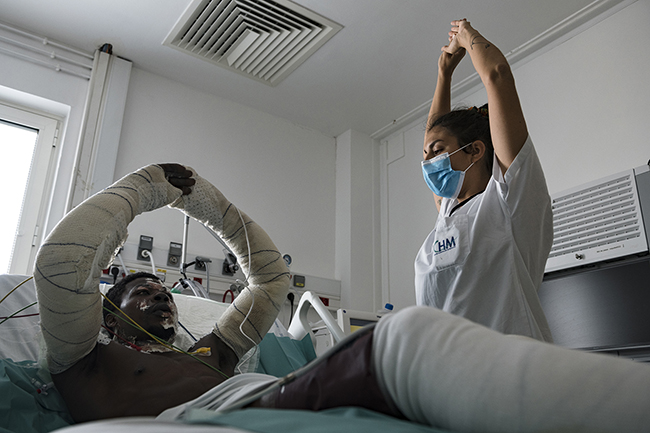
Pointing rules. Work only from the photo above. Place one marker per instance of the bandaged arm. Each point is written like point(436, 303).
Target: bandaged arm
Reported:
point(70, 262)
point(257, 307)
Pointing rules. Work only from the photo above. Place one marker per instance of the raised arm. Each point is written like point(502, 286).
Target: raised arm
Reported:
point(250, 317)
point(507, 124)
point(441, 103)
point(70, 262)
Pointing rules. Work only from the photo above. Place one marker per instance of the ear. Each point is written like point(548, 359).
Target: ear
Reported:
point(110, 320)
point(478, 150)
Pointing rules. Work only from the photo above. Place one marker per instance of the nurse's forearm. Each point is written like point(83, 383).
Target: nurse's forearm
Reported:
point(507, 124)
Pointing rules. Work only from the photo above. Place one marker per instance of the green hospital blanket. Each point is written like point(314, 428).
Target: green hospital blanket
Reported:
point(340, 420)
point(280, 356)
point(22, 408)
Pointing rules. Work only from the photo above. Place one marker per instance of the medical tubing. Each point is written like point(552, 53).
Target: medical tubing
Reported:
point(14, 289)
point(248, 246)
point(164, 343)
point(232, 296)
point(119, 257)
point(241, 325)
point(14, 314)
point(148, 255)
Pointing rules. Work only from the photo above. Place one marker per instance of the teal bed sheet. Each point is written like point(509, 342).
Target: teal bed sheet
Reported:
point(280, 356)
point(340, 420)
point(22, 408)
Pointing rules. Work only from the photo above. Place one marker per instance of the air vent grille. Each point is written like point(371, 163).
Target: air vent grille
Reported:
point(597, 222)
point(263, 39)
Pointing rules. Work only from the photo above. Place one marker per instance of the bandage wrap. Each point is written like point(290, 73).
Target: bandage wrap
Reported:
point(70, 262)
point(268, 276)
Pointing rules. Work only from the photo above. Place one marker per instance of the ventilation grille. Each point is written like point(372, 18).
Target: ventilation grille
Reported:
point(597, 222)
point(262, 39)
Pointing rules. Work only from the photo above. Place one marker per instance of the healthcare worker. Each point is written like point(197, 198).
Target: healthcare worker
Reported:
point(485, 258)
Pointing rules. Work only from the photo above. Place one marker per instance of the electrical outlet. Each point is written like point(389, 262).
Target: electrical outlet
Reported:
point(199, 265)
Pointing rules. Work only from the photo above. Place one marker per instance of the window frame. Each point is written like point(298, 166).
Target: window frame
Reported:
point(40, 184)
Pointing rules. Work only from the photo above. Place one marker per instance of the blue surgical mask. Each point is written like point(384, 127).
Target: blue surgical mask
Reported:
point(443, 180)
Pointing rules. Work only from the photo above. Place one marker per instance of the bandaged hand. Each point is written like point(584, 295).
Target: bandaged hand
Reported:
point(179, 176)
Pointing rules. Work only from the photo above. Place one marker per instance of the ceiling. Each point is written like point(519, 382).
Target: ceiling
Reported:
point(379, 67)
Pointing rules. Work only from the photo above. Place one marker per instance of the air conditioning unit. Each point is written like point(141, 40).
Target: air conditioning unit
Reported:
point(601, 220)
point(596, 289)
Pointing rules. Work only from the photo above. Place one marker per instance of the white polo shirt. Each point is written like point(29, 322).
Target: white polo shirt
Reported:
point(485, 260)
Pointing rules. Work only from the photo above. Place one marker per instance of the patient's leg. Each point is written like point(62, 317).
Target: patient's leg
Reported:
point(448, 372)
point(345, 378)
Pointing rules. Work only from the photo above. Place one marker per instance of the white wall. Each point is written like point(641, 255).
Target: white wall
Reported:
point(408, 213)
point(281, 174)
point(357, 221)
point(585, 103)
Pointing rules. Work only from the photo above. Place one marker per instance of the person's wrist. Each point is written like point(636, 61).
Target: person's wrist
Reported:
point(444, 75)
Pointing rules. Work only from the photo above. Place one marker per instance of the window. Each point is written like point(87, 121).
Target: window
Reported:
point(28, 151)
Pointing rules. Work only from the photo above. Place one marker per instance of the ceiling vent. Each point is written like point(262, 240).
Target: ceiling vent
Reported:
point(262, 39)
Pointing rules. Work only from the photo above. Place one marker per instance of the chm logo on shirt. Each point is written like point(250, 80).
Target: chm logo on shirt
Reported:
point(441, 246)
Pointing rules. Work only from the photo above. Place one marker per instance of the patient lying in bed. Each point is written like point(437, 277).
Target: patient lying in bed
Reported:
point(137, 373)
point(134, 374)
point(421, 364)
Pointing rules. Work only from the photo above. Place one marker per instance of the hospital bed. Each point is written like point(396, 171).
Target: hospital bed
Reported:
point(28, 403)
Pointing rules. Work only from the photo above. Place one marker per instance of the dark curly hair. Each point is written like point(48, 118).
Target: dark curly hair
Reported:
point(116, 292)
point(468, 125)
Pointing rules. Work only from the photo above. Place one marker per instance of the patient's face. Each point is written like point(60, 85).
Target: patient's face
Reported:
point(150, 304)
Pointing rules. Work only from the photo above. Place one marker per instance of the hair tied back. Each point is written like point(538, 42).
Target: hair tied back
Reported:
point(482, 110)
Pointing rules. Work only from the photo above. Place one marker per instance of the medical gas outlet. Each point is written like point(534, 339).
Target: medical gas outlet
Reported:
point(146, 244)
